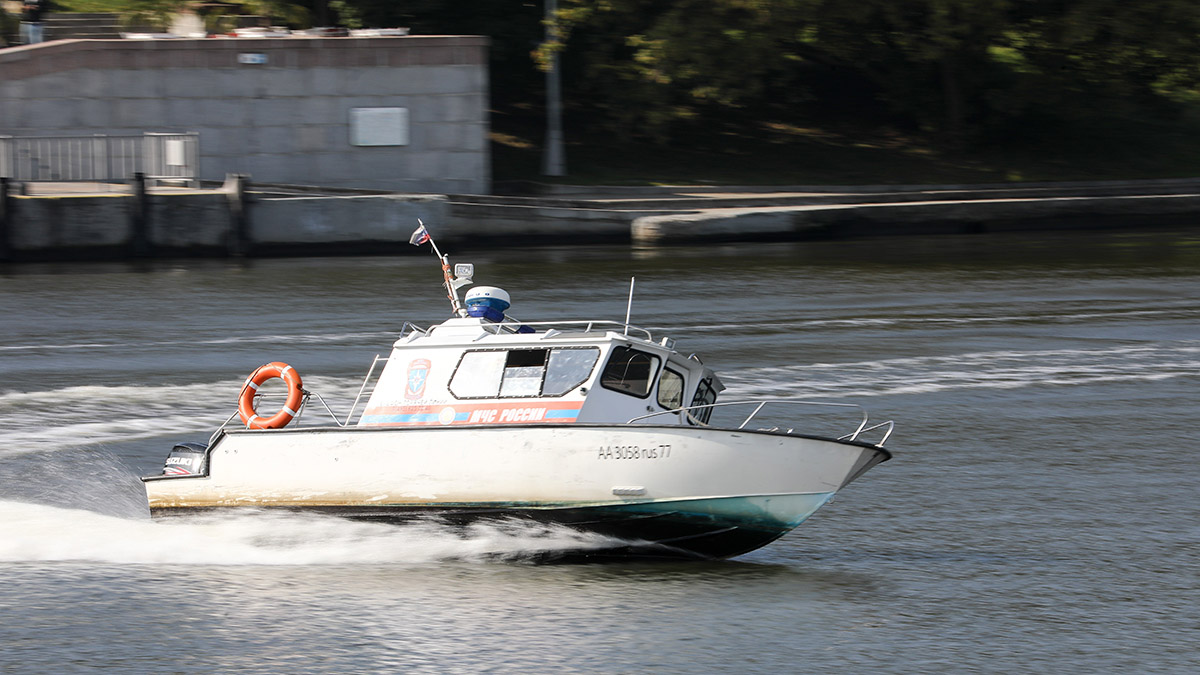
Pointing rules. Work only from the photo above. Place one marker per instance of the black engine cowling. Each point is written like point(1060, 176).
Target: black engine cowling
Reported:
point(187, 459)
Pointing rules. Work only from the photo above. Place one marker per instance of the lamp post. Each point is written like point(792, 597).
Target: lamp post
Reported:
point(554, 162)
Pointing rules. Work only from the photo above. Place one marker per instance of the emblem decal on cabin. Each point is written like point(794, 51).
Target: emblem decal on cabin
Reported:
point(418, 374)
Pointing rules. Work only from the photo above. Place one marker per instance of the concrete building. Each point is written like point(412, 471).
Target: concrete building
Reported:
point(405, 114)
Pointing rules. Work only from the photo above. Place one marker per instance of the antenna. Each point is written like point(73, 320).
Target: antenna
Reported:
point(629, 305)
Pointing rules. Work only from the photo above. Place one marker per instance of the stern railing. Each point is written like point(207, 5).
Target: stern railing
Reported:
point(309, 394)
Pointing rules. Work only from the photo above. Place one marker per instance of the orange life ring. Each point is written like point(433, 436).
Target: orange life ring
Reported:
point(263, 373)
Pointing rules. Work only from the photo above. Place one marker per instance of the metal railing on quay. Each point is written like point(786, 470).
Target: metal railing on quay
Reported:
point(101, 158)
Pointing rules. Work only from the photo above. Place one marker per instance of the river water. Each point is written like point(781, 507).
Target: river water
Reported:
point(1041, 513)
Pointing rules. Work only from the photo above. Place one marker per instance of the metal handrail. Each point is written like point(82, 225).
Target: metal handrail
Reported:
point(759, 404)
point(890, 424)
point(410, 326)
point(221, 429)
point(308, 394)
point(323, 403)
point(101, 157)
point(366, 379)
point(299, 412)
point(587, 326)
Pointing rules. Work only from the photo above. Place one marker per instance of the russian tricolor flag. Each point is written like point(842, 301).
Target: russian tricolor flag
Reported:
point(419, 236)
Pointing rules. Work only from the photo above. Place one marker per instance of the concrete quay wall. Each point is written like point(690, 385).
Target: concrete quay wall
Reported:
point(283, 110)
point(225, 222)
point(351, 221)
point(903, 217)
point(538, 223)
point(115, 225)
point(285, 220)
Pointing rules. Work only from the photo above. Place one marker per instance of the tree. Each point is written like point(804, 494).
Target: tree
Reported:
point(645, 68)
point(956, 70)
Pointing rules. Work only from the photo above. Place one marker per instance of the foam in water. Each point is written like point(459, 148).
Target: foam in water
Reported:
point(981, 370)
point(84, 504)
point(323, 338)
point(90, 415)
point(920, 321)
point(94, 479)
point(37, 532)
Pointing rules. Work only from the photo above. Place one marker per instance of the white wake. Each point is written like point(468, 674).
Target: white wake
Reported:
point(38, 532)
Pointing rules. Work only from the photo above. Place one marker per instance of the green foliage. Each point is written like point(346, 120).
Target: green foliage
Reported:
point(1064, 78)
point(347, 14)
point(951, 76)
point(158, 13)
point(967, 71)
point(110, 6)
point(513, 26)
point(646, 67)
point(277, 12)
point(155, 13)
point(8, 27)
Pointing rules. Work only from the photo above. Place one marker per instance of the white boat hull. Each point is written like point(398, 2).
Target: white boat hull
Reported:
point(703, 491)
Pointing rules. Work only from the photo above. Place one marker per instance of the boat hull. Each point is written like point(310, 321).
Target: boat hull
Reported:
point(657, 491)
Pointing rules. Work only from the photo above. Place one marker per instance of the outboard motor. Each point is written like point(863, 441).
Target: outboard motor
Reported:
point(187, 459)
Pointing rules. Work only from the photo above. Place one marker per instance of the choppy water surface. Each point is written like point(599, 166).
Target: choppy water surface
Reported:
point(1041, 514)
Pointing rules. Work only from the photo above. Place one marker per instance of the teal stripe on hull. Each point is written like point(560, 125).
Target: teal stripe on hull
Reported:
point(766, 512)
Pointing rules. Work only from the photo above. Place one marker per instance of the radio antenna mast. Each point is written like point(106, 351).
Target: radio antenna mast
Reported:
point(629, 305)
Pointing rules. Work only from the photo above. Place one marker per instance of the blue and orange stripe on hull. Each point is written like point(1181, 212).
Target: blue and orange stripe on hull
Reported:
point(472, 413)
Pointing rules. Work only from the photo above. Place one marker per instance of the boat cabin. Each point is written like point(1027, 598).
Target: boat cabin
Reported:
point(479, 369)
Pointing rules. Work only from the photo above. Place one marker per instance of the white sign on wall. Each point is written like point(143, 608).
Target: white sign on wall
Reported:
point(174, 152)
point(379, 126)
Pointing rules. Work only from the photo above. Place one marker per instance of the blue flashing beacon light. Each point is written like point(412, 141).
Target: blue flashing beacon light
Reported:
point(487, 302)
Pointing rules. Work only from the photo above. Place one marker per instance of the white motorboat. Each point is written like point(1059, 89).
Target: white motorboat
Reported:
point(595, 425)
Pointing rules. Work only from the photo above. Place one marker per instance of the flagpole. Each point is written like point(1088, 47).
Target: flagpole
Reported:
point(451, 291)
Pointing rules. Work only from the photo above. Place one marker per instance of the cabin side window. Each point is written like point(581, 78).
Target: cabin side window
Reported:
point(567, 369)
point(478, 374)
point(630, 372)
point(706, 395)
point(522, 373)
point(670, 390)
